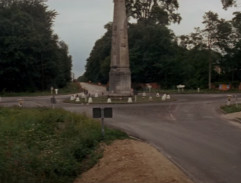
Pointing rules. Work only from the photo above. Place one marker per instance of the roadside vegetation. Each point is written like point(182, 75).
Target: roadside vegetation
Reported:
point(70, 88)
point(45, 146)
point(232, 108)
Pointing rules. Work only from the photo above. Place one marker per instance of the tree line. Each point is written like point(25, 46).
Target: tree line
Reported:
point(208, 55)
point(31, 55)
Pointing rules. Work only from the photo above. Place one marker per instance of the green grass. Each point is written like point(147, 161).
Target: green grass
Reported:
point(232, 108)
point(69, 89)
point(42, 145)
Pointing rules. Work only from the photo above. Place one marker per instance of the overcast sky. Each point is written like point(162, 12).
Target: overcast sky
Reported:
point(81, 22)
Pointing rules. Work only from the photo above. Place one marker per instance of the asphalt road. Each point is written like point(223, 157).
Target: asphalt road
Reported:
point(190, 132)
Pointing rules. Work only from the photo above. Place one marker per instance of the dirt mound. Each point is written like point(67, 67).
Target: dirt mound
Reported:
point(130, 161)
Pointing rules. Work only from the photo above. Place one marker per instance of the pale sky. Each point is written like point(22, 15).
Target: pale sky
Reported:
point(81, 22)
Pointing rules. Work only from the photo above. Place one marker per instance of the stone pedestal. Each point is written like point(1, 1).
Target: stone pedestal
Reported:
point(120, 84)
point(120, 75)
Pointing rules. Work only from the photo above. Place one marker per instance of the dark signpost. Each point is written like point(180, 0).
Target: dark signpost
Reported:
point(102, 113)
point(53, 99)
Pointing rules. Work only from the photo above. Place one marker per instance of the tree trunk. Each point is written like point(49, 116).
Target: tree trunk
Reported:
point(210, 74)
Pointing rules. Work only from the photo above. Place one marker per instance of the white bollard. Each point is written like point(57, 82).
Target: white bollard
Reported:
point(56, 91)
point(77, 99)
point(168, 97)
point(96, 95)
point(109, 100)
point(90, 100)
point(150, 98)
point(72, 98)
point(20, 102)
point(130, 100)
point(158, 95)
point(164, 97)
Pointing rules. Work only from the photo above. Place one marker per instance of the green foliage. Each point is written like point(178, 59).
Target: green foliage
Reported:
point(151, 53)
point(231, 63)
point(31, 57)
point(157, 55)
point(45, 146)
point(228, 3)
point(70, 88)
point(232, 108)
point(154, 57)
point(96, 69)
point(160, 12)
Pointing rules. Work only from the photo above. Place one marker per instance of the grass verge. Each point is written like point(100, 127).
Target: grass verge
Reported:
point(232, 108)
point(48, 146)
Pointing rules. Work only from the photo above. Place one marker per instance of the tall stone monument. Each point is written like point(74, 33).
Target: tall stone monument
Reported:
point(120, 75)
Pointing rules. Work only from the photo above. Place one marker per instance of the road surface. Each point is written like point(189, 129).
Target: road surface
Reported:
point(189, 131)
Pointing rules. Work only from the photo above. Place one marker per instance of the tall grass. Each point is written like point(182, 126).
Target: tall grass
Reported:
point(48, 146)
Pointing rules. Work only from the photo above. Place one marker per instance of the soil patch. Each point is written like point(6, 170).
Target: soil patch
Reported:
point(129, 161)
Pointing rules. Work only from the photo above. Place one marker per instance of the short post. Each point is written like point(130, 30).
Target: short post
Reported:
point(149, 87)
point(102, 123)
point(135, 95)
point(20, 102)
point(52, 90)
point(229, 100)
point(53, 100)
point(236, 100)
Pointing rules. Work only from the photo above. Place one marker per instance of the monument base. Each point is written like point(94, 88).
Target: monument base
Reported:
point(120, 82)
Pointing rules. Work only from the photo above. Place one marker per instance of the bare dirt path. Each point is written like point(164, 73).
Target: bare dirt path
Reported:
point(131, 161)
point(93, 89)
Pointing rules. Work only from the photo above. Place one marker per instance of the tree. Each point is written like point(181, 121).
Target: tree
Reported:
point(154, 11)
point(228, 3)
point(97, 67)
point(31, 57)
point(215, 37)
point(231, 63)
point(154, 54)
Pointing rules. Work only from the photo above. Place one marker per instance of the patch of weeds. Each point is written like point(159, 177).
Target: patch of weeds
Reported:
point(232, 108)
point(47, 146)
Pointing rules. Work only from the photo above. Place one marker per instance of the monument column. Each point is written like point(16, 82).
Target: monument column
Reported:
point(120, 75)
